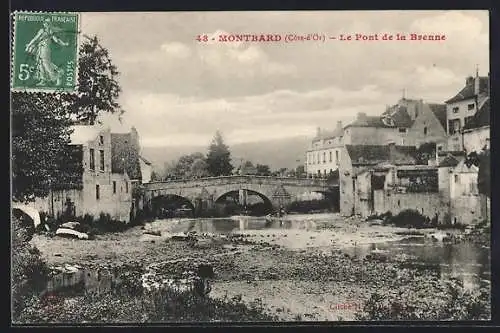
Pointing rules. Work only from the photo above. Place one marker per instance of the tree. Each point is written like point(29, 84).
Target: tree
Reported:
point(425, 152)
point(301, 171)
point(98, 88)
point(41, 124)
point(199, 168)
point(263, 170)
point(219, 157)
point(182, 168)
point(482, 160)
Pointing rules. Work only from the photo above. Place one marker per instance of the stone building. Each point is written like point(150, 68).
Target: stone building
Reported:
point(392, 125)
point(356, 159)
point(429, 125)
point(97, 186)
point(323, 155)
point(461, 108)
point(476, 133)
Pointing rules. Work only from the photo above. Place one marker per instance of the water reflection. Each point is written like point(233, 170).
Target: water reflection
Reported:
point(241, 223)
point(466, 261)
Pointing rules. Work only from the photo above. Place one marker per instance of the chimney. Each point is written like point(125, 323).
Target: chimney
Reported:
point(476, 85)
point(392, 151)
point(469, 80)
point(339, 125)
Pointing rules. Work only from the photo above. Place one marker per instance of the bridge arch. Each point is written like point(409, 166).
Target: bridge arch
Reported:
point(264, 207)
point(164, 205)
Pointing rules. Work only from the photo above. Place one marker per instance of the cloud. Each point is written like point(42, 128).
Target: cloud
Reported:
point(176, 50)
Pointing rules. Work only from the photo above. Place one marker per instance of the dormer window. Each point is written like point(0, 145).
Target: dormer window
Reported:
point(470, 106)
point(455, 109)
point(402, 130)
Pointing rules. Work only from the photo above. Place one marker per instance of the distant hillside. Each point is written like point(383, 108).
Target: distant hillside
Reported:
point(280, 153)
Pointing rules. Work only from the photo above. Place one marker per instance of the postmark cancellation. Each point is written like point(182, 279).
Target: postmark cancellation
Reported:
point(45, 52)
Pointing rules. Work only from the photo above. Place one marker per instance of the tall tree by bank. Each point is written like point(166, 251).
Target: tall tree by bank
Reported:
point(219, 157)
point(41, 124)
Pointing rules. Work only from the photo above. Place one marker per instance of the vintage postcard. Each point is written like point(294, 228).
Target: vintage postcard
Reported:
point(250, 166)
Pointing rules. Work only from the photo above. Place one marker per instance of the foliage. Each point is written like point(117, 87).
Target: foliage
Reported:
point(185, 166)
point(40, 134)
point(300, 171)
point(41, 124)
point(164, 305)
point(454, 302)
point(29, 271)
point(219, 157)
point(263, 170)
point(98, 88)
point(425, 152)
point(482, 160)
point(199, 168)
point(306, 206)
point(409, 218)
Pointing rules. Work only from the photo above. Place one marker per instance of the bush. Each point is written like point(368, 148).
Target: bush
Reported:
point(410, 218)
point(384, 216)
point(29, 271)
point(164, 305)
point(453, 302)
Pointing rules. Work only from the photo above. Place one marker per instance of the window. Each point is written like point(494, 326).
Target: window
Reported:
point(456, 178)
point(101, 160)
point(331, 159)
point(402, 130)
point(114, 187)
point(324, 157)
point(470, 106)
point(440, 148)
point(454, 126)
point(416, 113)
point(455, 109)
point(97, 192)
point(425, 130)
point(101, 139)
point(337, 157)
point(126, 187)
point(92, 159)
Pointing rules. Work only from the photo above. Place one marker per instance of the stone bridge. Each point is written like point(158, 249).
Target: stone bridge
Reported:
point(205, 192)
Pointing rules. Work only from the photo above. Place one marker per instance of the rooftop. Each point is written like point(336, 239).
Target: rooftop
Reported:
point(481, 118)
point(125, 155)
point(376, 154)
point(468, 92)
point(439, 111)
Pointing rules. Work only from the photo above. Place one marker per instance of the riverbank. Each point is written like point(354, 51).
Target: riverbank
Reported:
point(301, 271)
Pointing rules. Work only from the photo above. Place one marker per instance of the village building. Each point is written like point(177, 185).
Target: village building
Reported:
point(392, 125)
point(97, 185)
point(461, 108)
point(476, 133)
point(323, 155)
point(429, 126)
point(356, 159)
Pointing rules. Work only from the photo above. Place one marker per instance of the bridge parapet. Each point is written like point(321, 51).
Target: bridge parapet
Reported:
point(229, 180)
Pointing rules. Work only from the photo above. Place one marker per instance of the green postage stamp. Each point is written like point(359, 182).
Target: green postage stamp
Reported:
point(45, 52)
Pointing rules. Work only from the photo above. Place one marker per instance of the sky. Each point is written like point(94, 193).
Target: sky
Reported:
point(179, 91)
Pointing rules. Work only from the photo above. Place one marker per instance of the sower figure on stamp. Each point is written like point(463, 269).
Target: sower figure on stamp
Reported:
point(39, 46)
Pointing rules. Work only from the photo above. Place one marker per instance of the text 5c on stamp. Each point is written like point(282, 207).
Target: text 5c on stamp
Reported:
point(45, 52)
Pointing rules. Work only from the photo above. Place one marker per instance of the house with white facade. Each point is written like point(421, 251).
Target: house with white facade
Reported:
point(461, 108)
